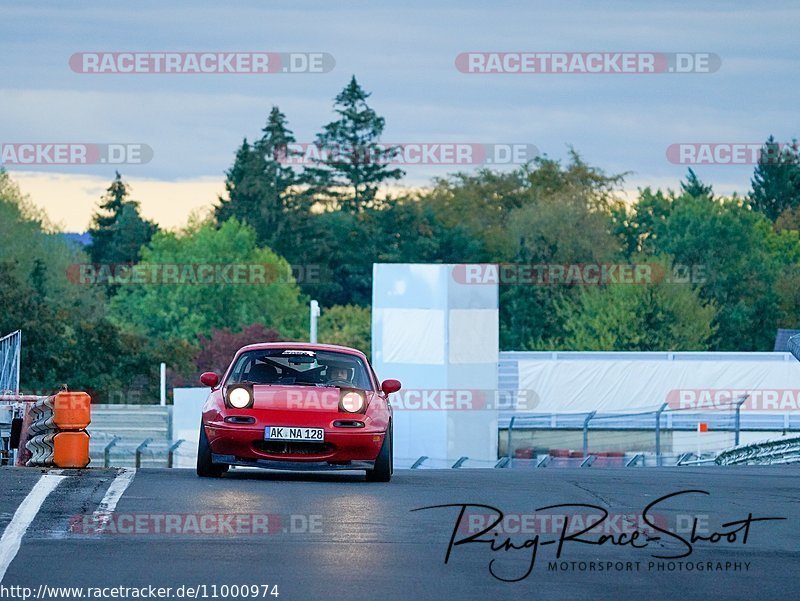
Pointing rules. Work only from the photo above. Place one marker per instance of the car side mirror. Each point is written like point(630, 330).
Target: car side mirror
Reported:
point(390, 386)
point(209, 378)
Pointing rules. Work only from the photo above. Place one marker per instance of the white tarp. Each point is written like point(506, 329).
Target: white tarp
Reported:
point(574, 386)
point(473, 336)
point(413, 336)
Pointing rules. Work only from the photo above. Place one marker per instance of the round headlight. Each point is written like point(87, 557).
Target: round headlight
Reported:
point(352, 402)
point(239, 398)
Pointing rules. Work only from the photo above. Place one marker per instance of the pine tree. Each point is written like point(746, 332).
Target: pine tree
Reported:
point(261, 185)
point(694, 187)
point(353, 163)
point(118, 230)
point(776, 180)
point(244, 183)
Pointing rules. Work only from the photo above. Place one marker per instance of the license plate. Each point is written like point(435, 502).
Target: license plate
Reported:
point(294, 433)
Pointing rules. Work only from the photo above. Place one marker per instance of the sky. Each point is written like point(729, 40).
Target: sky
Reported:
point(405, 55)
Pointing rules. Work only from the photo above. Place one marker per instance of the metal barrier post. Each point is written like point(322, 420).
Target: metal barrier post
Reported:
point(510, 427)
point(107, 451)
point(738, 419)
point(658, 433)
point(418, 462)
point(586, 433)
point(171, 452)
point(459, 463)
point(634, 460)
point(139, 450)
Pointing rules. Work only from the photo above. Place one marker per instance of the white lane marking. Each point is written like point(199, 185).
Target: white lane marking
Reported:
point(109, 503)
point(26, 512)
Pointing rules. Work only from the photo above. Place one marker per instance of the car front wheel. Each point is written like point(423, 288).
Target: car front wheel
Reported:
point(382, 472)
point(205, 467)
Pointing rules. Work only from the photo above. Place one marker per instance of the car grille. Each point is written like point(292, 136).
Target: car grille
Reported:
point(274, 447)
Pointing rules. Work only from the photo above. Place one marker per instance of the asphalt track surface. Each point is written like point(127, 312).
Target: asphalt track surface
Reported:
point(350, 539)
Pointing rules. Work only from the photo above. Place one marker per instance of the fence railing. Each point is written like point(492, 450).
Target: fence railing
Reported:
point(655, 432)
point(118, 451)
point(10, 348)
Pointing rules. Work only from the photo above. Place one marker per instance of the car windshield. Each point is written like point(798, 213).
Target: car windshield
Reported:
point(300, 367)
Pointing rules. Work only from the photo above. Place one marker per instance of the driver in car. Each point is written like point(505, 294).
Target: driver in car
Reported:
point(336, 373)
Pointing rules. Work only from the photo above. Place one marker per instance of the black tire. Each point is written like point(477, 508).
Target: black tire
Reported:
point(205, 467)
point(382, 472)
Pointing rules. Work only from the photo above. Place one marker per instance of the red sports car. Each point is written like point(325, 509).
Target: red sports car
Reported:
point(297, 406)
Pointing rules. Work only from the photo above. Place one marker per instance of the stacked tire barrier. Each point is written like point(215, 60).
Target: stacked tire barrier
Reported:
point(770, 452)
point(56, 430)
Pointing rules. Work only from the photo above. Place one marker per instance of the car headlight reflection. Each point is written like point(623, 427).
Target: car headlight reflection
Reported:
point(352, 402)
point(239, 397)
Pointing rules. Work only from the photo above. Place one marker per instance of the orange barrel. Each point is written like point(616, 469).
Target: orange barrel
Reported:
point(71, 449)
point(72, 410)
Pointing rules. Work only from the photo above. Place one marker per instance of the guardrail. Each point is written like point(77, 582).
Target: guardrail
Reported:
point(572, 460)
point(122, 451)
point(769, 452)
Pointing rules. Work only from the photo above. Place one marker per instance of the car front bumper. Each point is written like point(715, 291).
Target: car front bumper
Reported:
point(245, 445)
point(295, 466)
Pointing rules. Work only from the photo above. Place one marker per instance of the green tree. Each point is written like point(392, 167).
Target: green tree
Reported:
point(776, 180)
point(118, 230)
point(39, 254)
point(694, 187)
point(412, 229)
point(66, 336)
point(637, 317)
point(784, 247)
point(643, 226)
point(340, 250)
point(564, 216)
point(347, 325)
point(182, 308)
point(730, 246)
point(262, 189)
point(354, 164)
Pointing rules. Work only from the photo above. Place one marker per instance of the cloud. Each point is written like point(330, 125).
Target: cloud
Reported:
point(405, 56)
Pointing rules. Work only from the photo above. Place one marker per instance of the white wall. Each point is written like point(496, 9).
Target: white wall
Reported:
point(186, 423)
point(438, 336)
